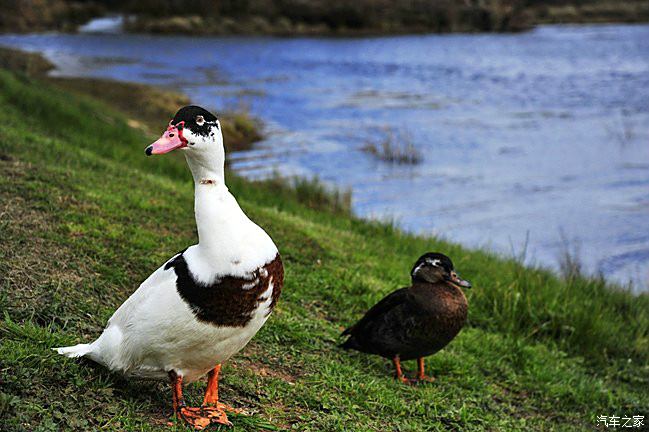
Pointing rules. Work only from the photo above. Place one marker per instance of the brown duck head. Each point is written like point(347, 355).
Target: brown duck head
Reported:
point(434, 267)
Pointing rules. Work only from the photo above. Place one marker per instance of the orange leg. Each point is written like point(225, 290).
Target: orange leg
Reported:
point(421, 376)
point(397, 366)
point(176, 390)
point(212, 392)
point(198, 418)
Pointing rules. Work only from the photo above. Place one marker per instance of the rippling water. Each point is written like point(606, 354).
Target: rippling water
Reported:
point(541, 136)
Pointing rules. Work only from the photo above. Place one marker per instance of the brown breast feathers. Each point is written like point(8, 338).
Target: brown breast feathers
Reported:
point(229, 301)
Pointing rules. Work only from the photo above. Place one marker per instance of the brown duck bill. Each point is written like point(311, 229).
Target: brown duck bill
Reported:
point(456, 280)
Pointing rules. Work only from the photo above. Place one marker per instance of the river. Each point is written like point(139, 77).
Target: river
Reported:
point(531, 144)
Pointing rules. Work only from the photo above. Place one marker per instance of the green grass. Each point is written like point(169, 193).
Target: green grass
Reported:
point(85, 217)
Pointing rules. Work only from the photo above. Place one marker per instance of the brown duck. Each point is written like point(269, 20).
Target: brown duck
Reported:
point(417, 321)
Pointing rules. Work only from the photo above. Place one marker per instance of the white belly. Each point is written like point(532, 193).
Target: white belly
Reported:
point(173, 339)
point(214, 345)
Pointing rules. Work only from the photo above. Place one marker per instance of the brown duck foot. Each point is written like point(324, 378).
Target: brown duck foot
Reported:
point(200, 418)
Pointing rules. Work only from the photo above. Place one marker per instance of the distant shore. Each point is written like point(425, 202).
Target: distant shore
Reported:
point(472, 19)
point(319, 18)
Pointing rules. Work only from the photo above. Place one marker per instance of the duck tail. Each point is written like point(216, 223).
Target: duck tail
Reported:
point(74, 351)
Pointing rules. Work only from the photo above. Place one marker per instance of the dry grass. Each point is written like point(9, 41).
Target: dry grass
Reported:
point(33, 65)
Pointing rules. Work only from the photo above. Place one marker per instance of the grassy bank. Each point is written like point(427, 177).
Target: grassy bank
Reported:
point(148, 108)
point(85, 216)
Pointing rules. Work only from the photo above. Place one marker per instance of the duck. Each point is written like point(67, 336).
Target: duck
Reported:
point(205, 303)
point(416, 321)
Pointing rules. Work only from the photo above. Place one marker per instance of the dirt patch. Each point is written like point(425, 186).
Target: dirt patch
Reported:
point(268, 371)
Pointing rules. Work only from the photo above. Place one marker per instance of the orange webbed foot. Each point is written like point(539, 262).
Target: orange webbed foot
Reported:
point(200, 418)
point(211, 401)
point(223, 407)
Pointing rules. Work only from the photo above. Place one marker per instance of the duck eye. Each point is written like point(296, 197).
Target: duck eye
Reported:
point(200, 120)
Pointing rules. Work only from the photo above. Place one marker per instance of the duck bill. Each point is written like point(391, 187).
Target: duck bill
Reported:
point(172, 139)
point(456, 280)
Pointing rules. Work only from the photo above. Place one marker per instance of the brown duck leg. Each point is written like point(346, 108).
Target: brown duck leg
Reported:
point(421, 376)
point(397, 367)
point(198, 418)
point(212, 392)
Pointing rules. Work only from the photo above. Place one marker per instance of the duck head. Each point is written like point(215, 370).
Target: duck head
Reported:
point(197, 132)
point(435, 267)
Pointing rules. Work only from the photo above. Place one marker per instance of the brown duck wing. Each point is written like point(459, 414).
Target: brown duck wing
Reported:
point(362, 331)
point(383, 306)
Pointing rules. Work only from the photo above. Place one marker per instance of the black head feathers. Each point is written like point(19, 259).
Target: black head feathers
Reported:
point(433, 259)
point(197, 119)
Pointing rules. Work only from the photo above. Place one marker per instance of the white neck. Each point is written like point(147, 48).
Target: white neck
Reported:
point(228, 242)
point(216, 212)
point(206, 167)
point(215, 208)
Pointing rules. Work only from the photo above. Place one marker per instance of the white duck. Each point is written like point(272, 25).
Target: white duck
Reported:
point(204, 304)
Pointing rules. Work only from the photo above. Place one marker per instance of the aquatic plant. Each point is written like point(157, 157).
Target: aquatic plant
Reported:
point(394, 147)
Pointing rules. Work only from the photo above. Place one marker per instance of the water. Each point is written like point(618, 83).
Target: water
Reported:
point(539, 138)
